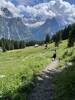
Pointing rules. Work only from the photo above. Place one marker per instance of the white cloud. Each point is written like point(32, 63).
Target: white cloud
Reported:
point(10, 6)
point(1, 13)
point(14, 10)
point(63, 11)
point(37, 24)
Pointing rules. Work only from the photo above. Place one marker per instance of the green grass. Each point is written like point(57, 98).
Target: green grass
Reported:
point(19, 68)
point(65, 84)
point(65, 80)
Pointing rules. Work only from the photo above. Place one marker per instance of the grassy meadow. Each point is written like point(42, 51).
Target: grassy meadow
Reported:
point(19, 68)
point(65, 80)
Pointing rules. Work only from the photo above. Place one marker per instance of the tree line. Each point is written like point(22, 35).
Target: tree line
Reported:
point(67, 33)
point(7, 44)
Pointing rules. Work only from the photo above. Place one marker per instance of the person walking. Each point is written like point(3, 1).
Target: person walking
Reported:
point(54, 55)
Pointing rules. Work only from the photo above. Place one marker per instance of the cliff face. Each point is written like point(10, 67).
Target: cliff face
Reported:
point(14, 28)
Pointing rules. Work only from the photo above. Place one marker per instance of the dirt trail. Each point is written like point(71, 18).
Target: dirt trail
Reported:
point(44, 87)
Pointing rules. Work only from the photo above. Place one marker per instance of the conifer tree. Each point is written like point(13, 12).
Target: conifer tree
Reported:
point(47, 39)
point(71, 38)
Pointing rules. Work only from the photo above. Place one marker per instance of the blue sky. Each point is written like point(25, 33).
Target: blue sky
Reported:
point(71, 1)
point(16, 2)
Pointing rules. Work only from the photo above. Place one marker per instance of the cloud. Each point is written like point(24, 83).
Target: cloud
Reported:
point(10, 6)
point(61, 10)
point(42, 10)
point(37, 24)
point(13, 9)
point(1, 13)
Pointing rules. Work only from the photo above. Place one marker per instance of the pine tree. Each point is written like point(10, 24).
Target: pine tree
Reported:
point(47, 39)
point(71, 38)
point(58, 38)
point(3, 44)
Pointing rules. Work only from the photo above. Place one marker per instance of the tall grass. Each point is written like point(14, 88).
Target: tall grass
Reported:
point(65, 80)
point(20, 68)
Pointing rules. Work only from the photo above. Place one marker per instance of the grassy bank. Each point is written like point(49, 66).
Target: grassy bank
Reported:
point(65, 80)
point(18, 70)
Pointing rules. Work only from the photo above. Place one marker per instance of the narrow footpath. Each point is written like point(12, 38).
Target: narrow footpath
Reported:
point(44, 89)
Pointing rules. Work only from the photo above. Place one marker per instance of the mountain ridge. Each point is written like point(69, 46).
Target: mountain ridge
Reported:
point(34, 22)
point(14, 28)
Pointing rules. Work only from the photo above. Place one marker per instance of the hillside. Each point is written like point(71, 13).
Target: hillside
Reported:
point(37, 49)
point(19, 68)
point(65, 79)
point(23, 32)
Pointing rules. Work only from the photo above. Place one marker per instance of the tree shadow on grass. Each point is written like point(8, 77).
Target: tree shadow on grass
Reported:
point(21, 93)
point(65, 82)
point(40, 88)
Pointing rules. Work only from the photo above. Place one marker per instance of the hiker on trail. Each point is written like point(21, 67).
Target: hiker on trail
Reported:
point(46, 46)
point(54, 55)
